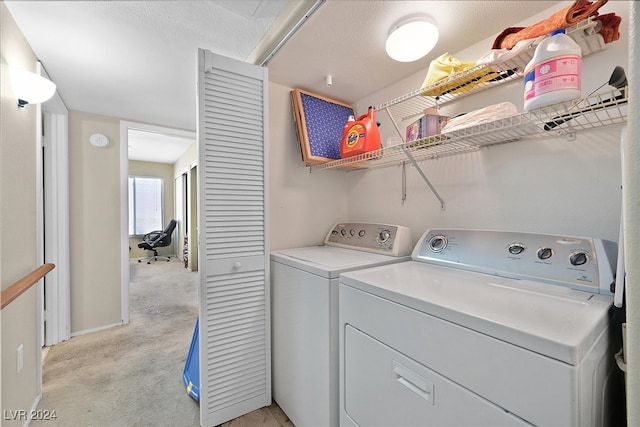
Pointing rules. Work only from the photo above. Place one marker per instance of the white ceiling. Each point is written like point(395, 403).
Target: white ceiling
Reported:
point(136, 60)
point(156, 147)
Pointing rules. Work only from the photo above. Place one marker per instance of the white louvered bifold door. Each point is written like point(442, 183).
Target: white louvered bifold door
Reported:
point(235, 348)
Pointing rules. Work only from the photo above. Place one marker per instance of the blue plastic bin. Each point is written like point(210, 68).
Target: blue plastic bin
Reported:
point(191, 374)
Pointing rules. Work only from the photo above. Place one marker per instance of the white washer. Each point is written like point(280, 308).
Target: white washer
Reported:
point(481, 328)
point(304, 314)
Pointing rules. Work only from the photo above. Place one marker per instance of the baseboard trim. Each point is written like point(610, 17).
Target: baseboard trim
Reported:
point(98, 329)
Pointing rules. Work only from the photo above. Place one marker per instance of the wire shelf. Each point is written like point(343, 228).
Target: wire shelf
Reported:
point(562, 119)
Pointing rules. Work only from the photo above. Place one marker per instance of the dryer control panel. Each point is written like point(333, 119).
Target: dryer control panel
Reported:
point(576, 262)
point(393, 240)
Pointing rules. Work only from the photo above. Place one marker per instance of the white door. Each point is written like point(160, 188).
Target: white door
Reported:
point(56, 226)
point(235, 348)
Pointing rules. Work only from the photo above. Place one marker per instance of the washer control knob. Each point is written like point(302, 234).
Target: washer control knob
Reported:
point(578, 258)
point(352, 232)
point(545, 253)
point(516, 248)
point(438, 243)
point(361, 233)
point(343, 232)
point(383, 236)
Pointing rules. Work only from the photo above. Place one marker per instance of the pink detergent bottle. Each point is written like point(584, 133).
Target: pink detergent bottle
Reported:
point(554, 74)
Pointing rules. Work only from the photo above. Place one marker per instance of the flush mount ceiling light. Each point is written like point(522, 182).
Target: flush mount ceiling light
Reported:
point(411, 39)
point(29, 87)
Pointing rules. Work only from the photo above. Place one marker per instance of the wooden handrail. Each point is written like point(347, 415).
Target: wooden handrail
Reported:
point(22, 285)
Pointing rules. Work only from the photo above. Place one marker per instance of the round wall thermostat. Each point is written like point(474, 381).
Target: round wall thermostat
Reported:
point(99, 140)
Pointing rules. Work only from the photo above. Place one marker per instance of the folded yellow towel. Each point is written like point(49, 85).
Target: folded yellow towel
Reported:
point(446, 65)
point(442, 67)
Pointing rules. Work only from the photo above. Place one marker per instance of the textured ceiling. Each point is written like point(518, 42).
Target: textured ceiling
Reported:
point(137, 59)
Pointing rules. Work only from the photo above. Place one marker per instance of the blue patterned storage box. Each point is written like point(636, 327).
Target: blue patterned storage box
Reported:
point(319, 122)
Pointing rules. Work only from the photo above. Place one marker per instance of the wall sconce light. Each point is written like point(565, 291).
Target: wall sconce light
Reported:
point(29, 87)
point(411, 39)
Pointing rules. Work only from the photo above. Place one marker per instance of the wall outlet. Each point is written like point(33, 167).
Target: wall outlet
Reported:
point(19, 358)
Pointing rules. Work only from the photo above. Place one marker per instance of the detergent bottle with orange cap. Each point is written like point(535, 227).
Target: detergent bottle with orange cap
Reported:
point(360, 136)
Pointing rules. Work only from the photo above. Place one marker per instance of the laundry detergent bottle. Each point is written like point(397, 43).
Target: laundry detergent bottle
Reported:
point(360, 136)
point(554, 74)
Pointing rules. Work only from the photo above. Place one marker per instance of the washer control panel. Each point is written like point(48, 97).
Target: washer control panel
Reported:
point(577, 262)
point(393, 240)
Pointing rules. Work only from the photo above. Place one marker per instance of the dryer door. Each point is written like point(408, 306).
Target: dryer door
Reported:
point(384, 387)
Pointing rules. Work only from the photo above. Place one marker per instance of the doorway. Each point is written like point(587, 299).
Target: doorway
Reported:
point(126, 129)
point(192, 222)
point(180, 191)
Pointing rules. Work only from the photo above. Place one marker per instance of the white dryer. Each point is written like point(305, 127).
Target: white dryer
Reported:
point(304, 314)
point(481, 328)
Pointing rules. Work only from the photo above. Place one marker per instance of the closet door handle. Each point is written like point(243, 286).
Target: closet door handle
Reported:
point(414, 382)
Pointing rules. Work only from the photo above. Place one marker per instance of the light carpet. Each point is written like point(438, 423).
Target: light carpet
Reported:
point(131, 375)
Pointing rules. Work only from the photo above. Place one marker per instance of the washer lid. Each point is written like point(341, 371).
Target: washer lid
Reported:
point(558, 322)
point(330, 261)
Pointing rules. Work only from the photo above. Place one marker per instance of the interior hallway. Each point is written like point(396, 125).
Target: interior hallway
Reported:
point(131, 375)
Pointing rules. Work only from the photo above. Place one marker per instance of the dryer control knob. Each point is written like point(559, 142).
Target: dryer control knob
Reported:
point(578, 258)
point(383, 236)
point(545, 253)
point(438, 243)
point(516, 248)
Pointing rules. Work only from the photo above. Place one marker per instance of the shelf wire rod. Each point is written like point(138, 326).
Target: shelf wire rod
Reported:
point(407, 152)
point(404, 181)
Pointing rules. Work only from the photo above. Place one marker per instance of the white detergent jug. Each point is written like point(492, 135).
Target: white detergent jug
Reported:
point(554, 74)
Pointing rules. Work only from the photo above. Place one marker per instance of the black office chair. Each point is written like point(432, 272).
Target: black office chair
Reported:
point(157, 239)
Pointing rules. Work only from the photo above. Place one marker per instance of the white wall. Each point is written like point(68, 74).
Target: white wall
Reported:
point(18, 227)
point(94, 203)
point(302, 206)
point(632, 230)
point(554, 185)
